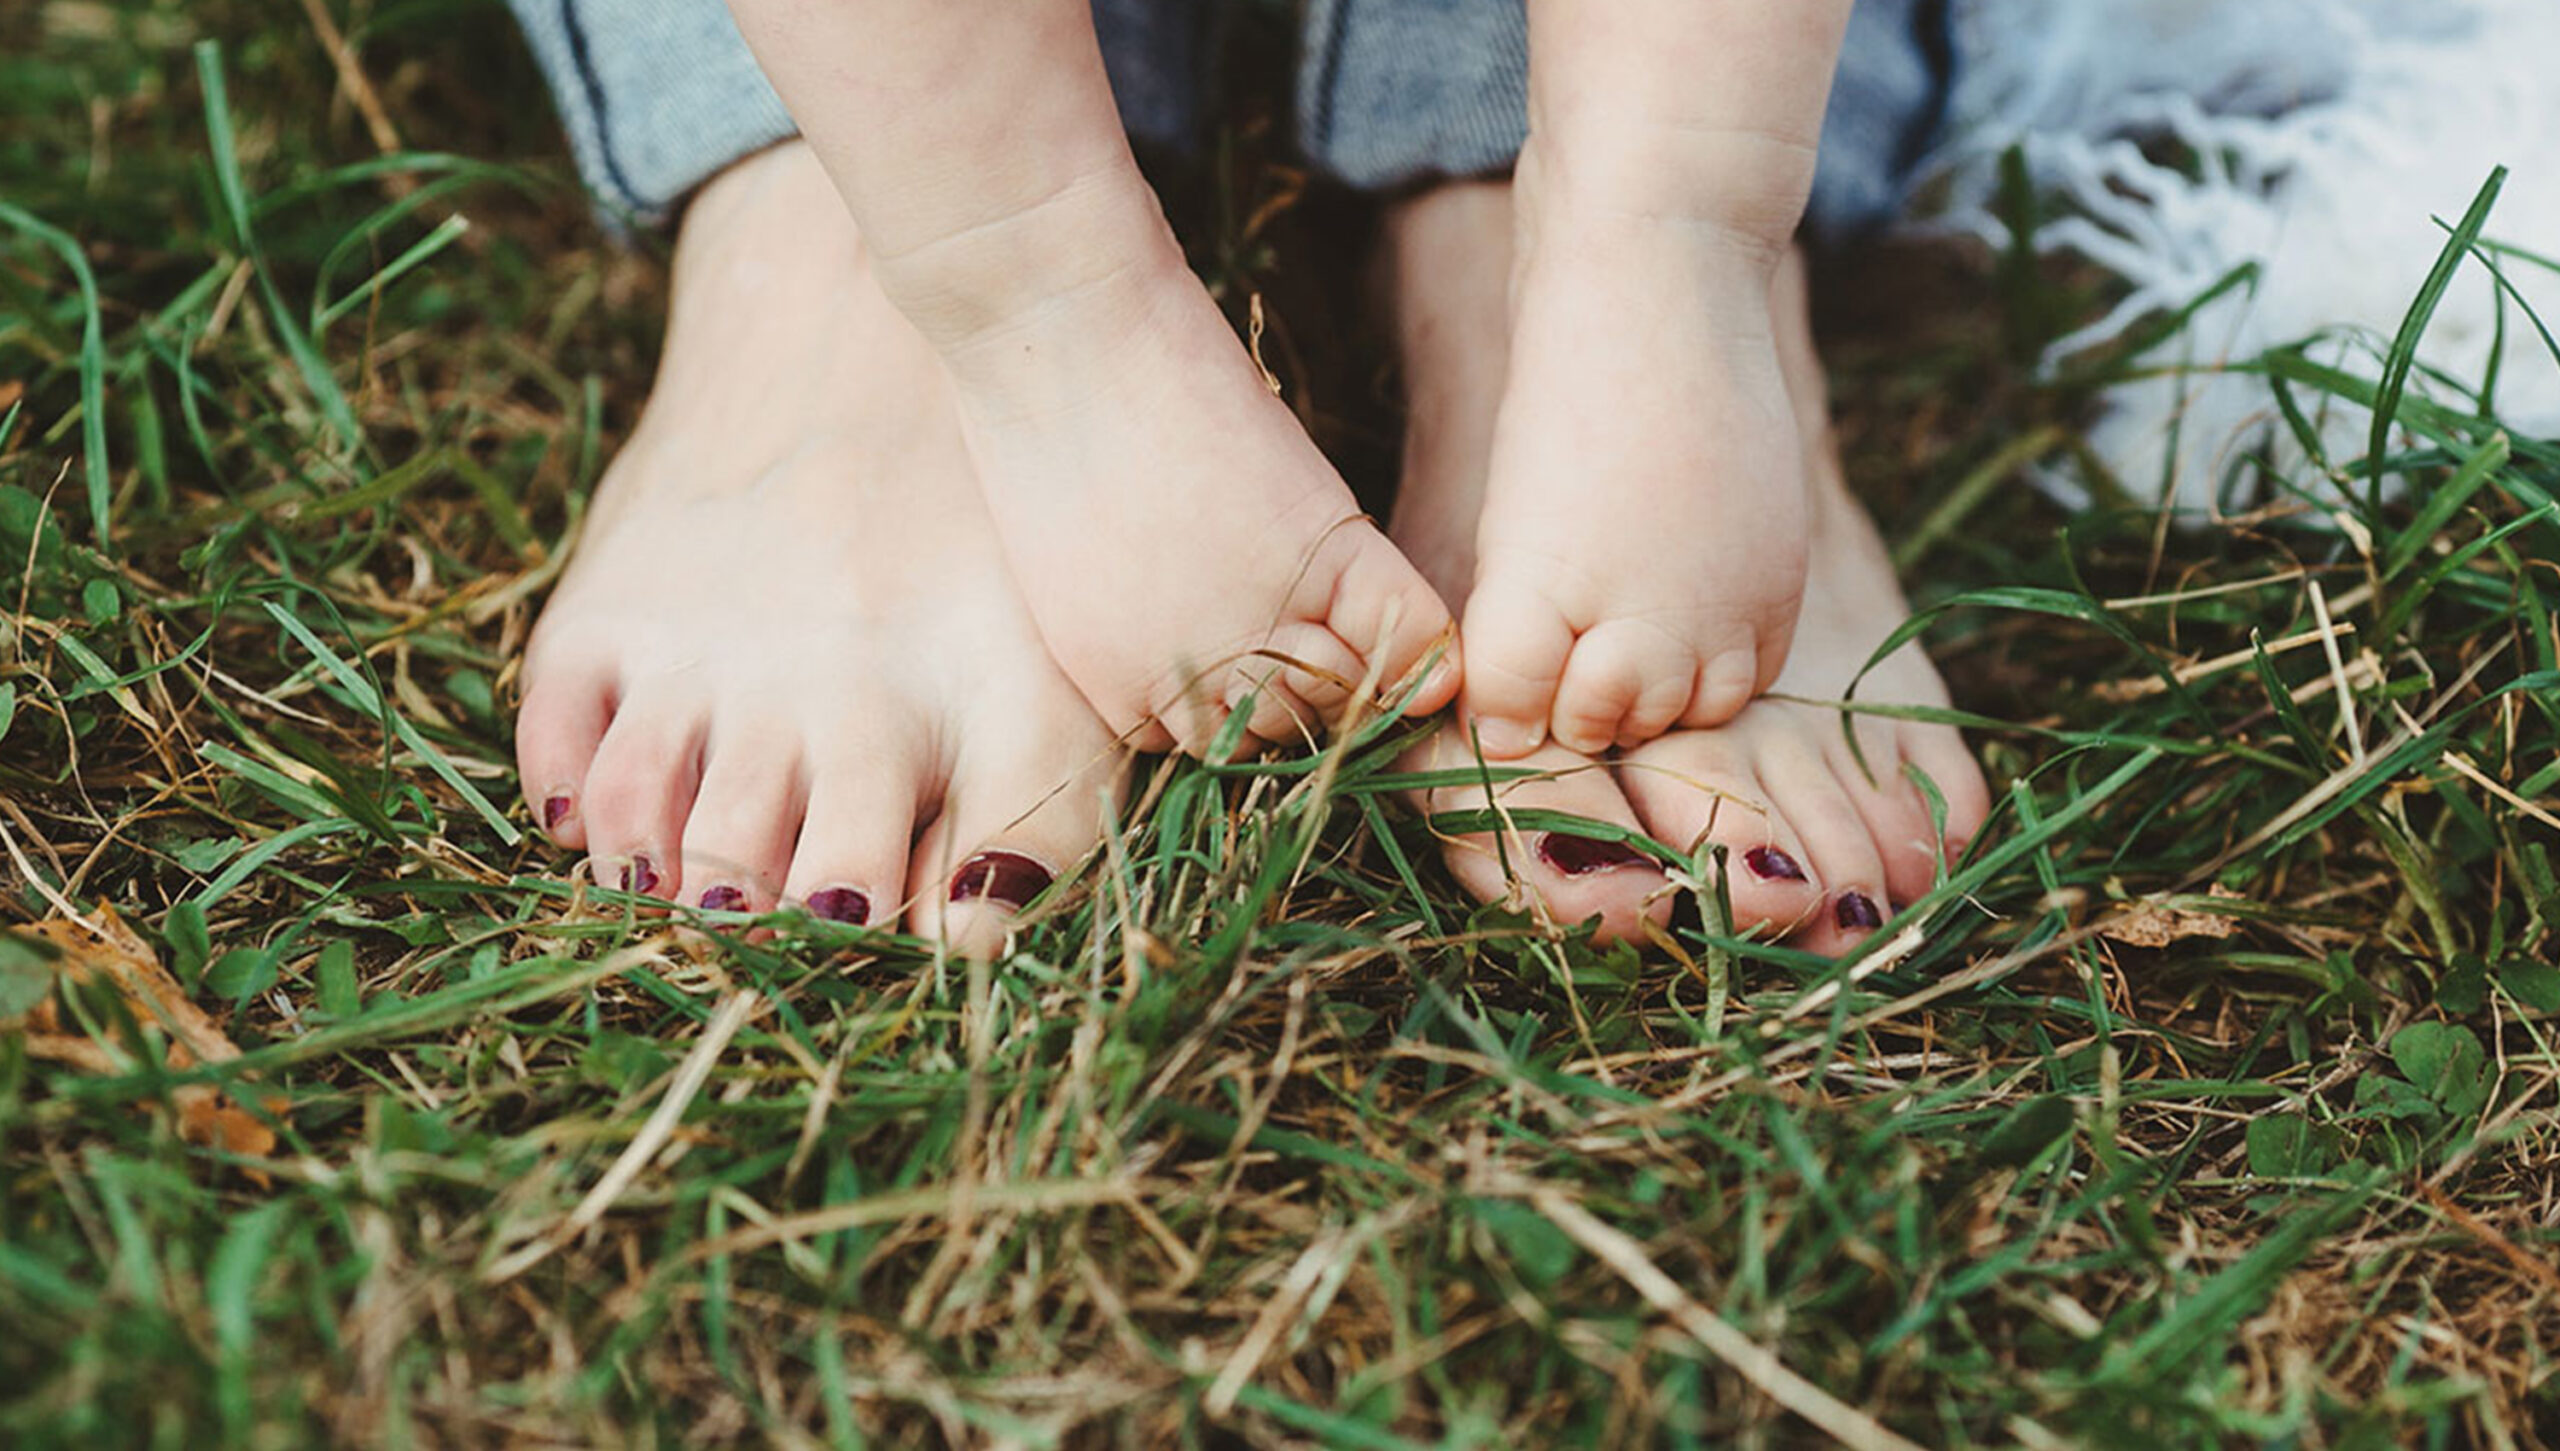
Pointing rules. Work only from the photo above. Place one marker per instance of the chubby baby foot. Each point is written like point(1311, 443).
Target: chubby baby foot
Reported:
point(786, 664)
point(1814, 849)
point(1182, 544)
point(1643, 540)
point(1448, 259)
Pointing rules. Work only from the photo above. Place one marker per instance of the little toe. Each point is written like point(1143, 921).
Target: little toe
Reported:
point(1566, 877)
point(1625, 683)
point(1694, 788)
point(737, 839)
point(638, 792)
point(850, 863)
point(1938, 752)
point(557, 731)
point(1517, 645)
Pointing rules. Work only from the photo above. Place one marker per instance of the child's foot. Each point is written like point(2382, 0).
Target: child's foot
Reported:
point(1815, 850)
point(1643, 542)
point(1178, 539)
point(786, 663)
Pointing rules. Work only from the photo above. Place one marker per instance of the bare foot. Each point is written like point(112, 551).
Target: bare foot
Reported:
point(1178, 539)
point(1815, 850)
point(787, 663)
point(1642, 544)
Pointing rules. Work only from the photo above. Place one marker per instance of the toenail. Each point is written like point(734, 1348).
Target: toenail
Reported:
point(840, 904)
point(1772, 865)
point(639, 876)
point(1580, 856)
point(1506, 738)
point(555, 811)
point(1857, 912)
point(723, 899)
point(1003, 876)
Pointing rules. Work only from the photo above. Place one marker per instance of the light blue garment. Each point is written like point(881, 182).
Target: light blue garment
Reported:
point(659, 95)
point(1394, 92)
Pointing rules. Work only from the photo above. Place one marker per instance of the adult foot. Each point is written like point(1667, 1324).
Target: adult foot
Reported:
point(1642, 545)
point(1816, 850)
point(1180, 542)
point(786, 663)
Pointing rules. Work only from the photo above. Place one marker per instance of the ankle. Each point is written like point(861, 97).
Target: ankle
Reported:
point(1092, 233)
point(1735, 201)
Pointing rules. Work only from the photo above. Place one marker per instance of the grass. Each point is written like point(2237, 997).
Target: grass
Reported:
point(2210, 1101)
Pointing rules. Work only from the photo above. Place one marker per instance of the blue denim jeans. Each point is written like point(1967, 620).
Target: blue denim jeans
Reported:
point(660, 95)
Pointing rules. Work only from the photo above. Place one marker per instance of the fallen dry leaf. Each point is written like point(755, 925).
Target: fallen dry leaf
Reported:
point(104, 947)
point(2150, 923)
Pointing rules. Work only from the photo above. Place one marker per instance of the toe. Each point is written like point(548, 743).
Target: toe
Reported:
point(1700, 787)
point(1517, 644)
point(1025, 805)
point(850, 864)
point(1841, 841)
point(1625, 683)
point(638, 793)
point(1895, 808)
point(737, 839)
point(1939, 753)
point(1896, 817)
point(1728, 683)
point(1381, 604)
point(1292, 687)
point(563, 719)
point(1563, 876)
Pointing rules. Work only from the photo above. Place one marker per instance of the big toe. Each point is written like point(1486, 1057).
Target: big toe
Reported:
point(1027, 799)
point(1394, 621)
point(1556, 840)
point(1517, 644)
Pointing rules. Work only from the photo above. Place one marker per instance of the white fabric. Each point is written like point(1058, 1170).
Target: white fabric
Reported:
point(2319, 138)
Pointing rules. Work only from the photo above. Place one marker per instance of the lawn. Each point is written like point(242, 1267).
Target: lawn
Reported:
point(2209, 1101)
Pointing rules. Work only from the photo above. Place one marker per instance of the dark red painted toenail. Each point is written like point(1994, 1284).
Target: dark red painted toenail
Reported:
point(840, 904)
point(723, 899)
point(1004, 876)
point(1580, 856)
point(1772, 865)
point(1857, 912)
point(639, 876)
point(555, 811)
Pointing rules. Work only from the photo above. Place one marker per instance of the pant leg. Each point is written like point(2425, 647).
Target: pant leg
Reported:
point(660, 95)
point(1396, 92)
